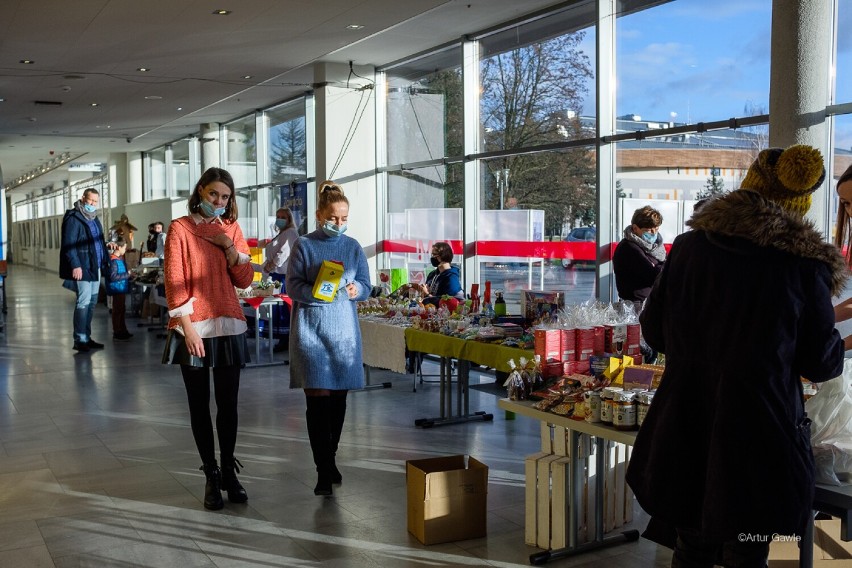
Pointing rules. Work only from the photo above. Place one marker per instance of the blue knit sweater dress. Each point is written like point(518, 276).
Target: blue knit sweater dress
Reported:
point(325, 339)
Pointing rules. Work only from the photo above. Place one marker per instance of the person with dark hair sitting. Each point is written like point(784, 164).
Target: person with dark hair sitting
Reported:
point(445, 280)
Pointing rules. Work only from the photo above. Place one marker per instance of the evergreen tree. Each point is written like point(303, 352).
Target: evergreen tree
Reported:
point(714, 186)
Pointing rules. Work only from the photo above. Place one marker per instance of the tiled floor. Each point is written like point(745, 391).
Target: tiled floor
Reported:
point(98, 467)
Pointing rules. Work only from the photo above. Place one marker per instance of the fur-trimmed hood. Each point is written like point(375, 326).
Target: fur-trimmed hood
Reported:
point(748, 215)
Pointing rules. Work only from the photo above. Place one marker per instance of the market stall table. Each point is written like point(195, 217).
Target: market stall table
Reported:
point(465, 351)
point(255, 303)
point(382, 347)
point(601, 433)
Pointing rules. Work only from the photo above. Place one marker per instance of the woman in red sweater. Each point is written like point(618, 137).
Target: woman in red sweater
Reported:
point(206, 256)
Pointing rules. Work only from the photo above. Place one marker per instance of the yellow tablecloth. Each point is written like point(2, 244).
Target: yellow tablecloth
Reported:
point(487, 354)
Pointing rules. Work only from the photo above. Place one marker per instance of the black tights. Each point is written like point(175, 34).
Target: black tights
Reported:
point(226, 384)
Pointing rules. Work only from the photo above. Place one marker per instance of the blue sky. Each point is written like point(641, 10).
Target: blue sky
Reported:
point(699, 60)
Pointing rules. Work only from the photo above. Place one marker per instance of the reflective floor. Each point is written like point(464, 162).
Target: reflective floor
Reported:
point(98, 467)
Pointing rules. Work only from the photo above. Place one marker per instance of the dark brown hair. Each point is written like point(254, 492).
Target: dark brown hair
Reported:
point(842, 229)
point(647, 218)
point(445, 252)
point(208, 177)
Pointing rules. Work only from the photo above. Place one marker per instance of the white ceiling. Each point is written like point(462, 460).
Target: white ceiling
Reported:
point(88, 51)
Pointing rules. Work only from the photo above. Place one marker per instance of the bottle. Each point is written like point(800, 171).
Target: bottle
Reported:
point(499, 304)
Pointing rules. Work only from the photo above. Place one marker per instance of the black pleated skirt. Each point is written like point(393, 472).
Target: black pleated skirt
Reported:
point(225, 351)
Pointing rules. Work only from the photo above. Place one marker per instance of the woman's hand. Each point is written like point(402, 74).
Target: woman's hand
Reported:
point(194, 343)
point(221, 240)
point(352, 290)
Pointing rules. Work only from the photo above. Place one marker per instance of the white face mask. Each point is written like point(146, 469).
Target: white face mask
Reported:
point(332, 229)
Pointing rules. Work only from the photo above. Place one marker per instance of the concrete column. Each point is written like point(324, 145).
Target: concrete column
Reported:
point(800, 85)
point(337, 107)
point(211, 156)
point(135, 193)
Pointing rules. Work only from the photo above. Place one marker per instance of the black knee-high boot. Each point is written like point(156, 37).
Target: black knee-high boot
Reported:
point(319, 434)
point(337, 414)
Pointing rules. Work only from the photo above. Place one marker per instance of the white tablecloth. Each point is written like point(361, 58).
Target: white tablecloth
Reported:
point(383, 345)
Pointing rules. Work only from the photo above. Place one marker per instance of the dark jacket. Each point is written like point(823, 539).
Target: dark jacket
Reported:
point(742, 311)
point(443, 283)
point(78, 247)
point(635, 270)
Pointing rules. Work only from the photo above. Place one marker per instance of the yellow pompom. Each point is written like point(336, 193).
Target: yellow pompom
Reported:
point(799, 167)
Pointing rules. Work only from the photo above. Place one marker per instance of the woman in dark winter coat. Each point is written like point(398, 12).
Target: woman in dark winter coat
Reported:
point(640, 255)
point(742, 311)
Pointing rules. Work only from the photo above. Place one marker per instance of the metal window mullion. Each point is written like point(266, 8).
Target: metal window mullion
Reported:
point(471, 82)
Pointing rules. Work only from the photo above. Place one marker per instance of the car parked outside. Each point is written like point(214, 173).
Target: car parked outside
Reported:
point(580, 234)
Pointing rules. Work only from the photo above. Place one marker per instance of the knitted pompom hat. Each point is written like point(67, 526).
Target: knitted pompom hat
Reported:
point(787, 177)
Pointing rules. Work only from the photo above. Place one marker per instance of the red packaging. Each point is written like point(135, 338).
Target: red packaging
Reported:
point(599, 346)
point(585, 345)
point(615, 338)
point(633, 330)
point(569, 344)
point(583, 367)
point(553, 369)
point(548, 344)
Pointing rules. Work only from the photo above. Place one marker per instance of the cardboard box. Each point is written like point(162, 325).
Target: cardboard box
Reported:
point(536, 304)
point(447, 500)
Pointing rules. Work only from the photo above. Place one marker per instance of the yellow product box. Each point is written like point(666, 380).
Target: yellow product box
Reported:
point(328, 280)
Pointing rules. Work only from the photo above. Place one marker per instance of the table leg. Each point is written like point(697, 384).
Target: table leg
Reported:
point(806, 546)
point(257, 334)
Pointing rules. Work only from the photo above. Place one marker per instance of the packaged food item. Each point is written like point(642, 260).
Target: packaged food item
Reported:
point(328, 280)
point(593, 406)
point(607, 406)
point(645, 399)
point(624, 410)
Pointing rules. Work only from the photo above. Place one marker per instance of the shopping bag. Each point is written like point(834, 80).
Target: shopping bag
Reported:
point(830, 411)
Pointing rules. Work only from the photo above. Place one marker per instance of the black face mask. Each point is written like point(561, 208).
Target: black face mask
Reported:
point(435, 261)
point(153, 232)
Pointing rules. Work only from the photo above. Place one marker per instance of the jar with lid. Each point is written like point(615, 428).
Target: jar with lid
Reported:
point(624, 410)
point(645, 399)
point(593, 406)
point(606, 403)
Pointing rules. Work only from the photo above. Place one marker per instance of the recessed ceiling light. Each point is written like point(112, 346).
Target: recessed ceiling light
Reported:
point(180, 108)
point(93, 104)
point(143, 69)
point(354, 27)
point(246, 76)
point(221, 12)
point(153, 98)
point(27, 61)
point(2, 100)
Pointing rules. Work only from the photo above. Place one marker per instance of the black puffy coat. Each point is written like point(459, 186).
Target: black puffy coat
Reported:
point(742, 311)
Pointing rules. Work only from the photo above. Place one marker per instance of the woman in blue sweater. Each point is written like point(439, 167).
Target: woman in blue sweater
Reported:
point(325, 339)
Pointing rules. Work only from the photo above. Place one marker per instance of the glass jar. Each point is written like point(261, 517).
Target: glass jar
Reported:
point(606, 403)
point(593, 406)
point(624, 410)
point(645, 399)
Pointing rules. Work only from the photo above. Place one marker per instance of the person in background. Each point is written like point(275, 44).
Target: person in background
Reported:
point(843, 240)
point(742, 311)
point(156, 242)
point(445, 280)
point(118, 285)
point(325, 338)
point(640, 255)
point(277, 254)
point(206, 256)
point(83, 257)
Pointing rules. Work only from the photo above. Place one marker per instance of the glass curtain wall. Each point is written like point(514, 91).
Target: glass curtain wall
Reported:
point(538, 93)
point(181, 184)
point(424, 117)
point(842, 123)
point(157, 188)
point(241, 151)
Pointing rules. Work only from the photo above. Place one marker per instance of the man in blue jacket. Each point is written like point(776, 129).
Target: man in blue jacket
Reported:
point(81, 260)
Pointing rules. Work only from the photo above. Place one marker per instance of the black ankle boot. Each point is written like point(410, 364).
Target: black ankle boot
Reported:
point(213, 488)
point(230, 483)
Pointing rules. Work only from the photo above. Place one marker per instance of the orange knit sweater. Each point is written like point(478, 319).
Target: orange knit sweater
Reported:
point(196, 268)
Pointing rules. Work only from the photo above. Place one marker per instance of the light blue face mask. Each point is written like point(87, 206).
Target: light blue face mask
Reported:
point(209, 211)
point(333, 230)
point(89, 208)
point(650, 238)
point(281, 223)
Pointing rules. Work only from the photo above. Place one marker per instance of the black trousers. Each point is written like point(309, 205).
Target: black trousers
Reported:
point(226, 384)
